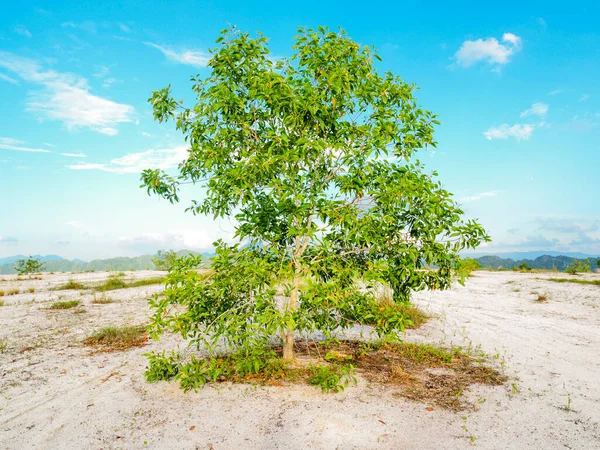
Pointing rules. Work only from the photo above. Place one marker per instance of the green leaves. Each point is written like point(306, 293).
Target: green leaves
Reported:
point(316, 158)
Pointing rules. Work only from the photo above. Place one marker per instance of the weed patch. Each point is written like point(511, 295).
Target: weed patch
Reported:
point(421, 372)
point(572, 280)
point(118, 282)
point(114, 339)
point(102, 300)
point(70, 285)
point(13, 291)
point(64, 305)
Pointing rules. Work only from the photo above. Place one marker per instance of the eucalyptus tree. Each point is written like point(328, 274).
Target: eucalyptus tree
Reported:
point(314, 158)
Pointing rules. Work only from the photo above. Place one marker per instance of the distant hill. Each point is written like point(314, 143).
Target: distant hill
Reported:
point(14, 259)
point(531, 255)
point(54, 263)
point(544, 262)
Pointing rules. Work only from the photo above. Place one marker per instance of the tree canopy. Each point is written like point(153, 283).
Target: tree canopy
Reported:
point(315, 158)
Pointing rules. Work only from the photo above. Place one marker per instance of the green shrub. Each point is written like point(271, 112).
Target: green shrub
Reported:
point(333, 378)
point(577, 266)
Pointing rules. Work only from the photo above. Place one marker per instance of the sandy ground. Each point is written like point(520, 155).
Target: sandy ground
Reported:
point(55, 394)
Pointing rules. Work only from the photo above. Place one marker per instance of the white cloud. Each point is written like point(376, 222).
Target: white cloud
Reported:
point(124, 28)
point(175, 240)
point(190, 57)
point(537, 109)
point(584, 97)
point(488, 50)
point(49, 145)
point(74, 155)
point(476, 197)
point(136, 162)
point(505, 131)
point(16, 145)
point(66, 98)
point(143, 133)
point(7, 240)
point(21, 30)
point(7, 78)
point(10, 141)
point(555, 91)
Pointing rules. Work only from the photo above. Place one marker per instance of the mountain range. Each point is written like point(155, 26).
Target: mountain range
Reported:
point(55, 263)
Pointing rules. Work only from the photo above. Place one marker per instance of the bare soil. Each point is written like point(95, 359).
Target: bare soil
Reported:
point(56, 392)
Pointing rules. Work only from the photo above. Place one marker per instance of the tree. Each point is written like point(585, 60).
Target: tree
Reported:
point(29, 266)
point(164, 259)
point(577, 266)
point(314, 157)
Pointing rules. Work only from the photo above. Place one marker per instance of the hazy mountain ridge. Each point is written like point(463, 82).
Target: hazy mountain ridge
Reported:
point(545, 262)
point(54, 263)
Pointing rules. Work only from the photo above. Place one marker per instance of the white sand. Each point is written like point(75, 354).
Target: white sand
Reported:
point(56, 395)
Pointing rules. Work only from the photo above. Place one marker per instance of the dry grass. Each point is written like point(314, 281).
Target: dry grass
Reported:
point(102, 300)
point(2, 303)
point(64, 305)
point(30, 290)
point(421, 372)
point(13, 291)
point(541, 298)
point(114, 339)
point(2, 293)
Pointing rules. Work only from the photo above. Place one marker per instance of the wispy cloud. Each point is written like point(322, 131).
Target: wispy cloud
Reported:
point(488, 50)
point(74, 155)
point(584, 97)
point(16, 145)
point(180, 239)
point(506, 131)
point(474, 198)
point(7, 78)
point(66, 98)
point(556, 91)
point(22, 31)
point(537, 109)
point(190, 57)
point(8, 240)
point(88, 26)
point(136, 162)
point(124, 28)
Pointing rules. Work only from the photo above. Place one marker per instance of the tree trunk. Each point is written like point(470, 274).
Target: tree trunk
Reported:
point(288, 334)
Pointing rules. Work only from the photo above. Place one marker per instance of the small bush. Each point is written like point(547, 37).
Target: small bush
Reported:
point(465, 266)
point(2, 303)
point(30, 290)
point(331, 378)
point(2, 293)
point(13, 291)
point(576, 267)
point(65, 305)
point(523, 267)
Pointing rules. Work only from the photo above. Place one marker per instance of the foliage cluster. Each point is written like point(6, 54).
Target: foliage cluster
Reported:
point(578, 266)
point(315, 158)
point(29, 266)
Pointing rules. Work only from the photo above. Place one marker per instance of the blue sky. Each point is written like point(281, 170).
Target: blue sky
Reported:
point(515, 85)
